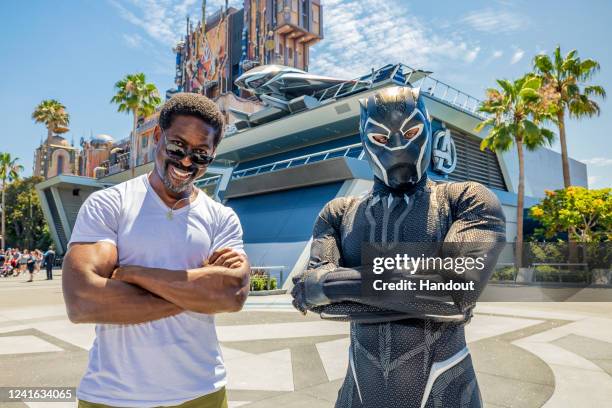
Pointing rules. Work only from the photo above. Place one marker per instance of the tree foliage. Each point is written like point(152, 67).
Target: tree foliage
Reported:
point(565, 78)
point(9, 171)
point(26, 225)
point(134, 95)
point(52, 114)
point(566, 88)
point(516, 115)
point(587, 213)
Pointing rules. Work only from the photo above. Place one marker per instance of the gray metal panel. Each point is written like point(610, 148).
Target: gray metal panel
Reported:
point(297, 130)
point(72, 203)
point(474, 164)
point(323, 172)
point(60, 237)
point(266, 115)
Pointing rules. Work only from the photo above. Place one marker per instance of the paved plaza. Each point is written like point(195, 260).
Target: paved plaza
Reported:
point(525, 354)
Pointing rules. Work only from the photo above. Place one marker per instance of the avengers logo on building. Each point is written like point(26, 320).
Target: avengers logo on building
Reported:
point(444, 152)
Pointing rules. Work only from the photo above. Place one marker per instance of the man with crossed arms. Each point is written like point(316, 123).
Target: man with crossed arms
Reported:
point(150, 261)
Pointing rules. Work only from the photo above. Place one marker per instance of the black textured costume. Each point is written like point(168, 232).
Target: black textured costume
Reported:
point(409, 352)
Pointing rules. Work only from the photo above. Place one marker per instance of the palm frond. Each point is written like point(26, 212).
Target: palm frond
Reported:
point(543, 64)
point(595, 90)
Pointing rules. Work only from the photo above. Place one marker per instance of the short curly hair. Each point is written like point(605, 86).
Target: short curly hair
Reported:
point(193, 104)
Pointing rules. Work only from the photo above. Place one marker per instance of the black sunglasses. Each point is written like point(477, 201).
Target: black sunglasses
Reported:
point(176, 152)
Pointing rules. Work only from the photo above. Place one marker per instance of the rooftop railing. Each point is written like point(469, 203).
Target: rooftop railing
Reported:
point(404, 75)
point(354, 150)
point(121, 163)
point(446, 93)
point(208, 181)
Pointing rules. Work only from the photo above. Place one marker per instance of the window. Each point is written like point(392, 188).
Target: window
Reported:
point(60, 164)
point(315, 19)
point(304, 14)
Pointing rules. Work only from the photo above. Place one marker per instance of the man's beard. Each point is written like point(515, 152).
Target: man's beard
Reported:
point(167, 180)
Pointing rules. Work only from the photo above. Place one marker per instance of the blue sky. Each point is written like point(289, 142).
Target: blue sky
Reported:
point(74, 51)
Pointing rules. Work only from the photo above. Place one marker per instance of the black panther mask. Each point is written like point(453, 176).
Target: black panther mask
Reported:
point(396, 132)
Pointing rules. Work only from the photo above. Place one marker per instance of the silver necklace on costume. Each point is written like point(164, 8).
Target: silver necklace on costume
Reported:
point(170, 213)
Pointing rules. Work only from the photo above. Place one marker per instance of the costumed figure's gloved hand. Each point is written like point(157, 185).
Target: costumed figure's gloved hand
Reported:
point(307, 290)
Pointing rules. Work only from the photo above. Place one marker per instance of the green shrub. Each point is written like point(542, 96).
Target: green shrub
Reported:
point(547, 273)
point(505, 273)
point(259, 282)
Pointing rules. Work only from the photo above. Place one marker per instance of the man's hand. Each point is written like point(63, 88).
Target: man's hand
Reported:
point(308, 291)
point(123, 273)
point(227, 257)
point(221, 285)
point(299, 293)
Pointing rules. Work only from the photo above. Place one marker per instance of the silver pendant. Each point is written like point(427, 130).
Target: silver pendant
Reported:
point(169, 215)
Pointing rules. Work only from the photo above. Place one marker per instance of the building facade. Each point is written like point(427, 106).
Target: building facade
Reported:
point(218, 49)
point(56, 156)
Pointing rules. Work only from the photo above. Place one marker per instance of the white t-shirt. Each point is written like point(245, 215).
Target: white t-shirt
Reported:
point(170, 360)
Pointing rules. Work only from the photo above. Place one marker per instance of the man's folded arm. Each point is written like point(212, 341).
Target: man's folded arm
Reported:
point(92, 297)
point(209, 289)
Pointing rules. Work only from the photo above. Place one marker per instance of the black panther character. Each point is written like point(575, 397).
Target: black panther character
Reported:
point(407, 350)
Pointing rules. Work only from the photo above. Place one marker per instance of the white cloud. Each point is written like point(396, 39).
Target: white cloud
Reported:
point(357, 39)
point(592, 180)
point(517, 56)
point(164, 20)
point(598, 161)
point(133, 40)
point(471, 55)
point(495, 21)
point(497, 54)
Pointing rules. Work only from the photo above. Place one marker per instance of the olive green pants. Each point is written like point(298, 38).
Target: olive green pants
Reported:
point(217, 399)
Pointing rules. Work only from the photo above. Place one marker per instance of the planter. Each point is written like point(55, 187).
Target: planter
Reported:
point(524, 275)
point(602, 277)
point(267, 292)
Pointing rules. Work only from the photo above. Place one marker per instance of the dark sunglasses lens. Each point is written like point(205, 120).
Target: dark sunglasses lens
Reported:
point(175, 151)
point(201, 159)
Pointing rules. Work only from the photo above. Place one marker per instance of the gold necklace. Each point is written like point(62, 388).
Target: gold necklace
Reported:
point(170, 213)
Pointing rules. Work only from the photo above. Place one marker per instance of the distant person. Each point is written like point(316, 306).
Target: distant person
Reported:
point(30, 264)
point(15, 255)
point(3, 263)
point(38, 256)
point(22, 261)
point(48, 261)
point(156, 342)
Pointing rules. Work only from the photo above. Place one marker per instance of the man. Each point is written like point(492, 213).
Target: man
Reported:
point(48, 260)
point(135, 267)
point(408, 348)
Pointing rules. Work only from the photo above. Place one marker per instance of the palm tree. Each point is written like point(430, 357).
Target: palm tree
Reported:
point(53, 115)
point(9, 171)
point(516, 113)
point(134, 95)
point(563, 78)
